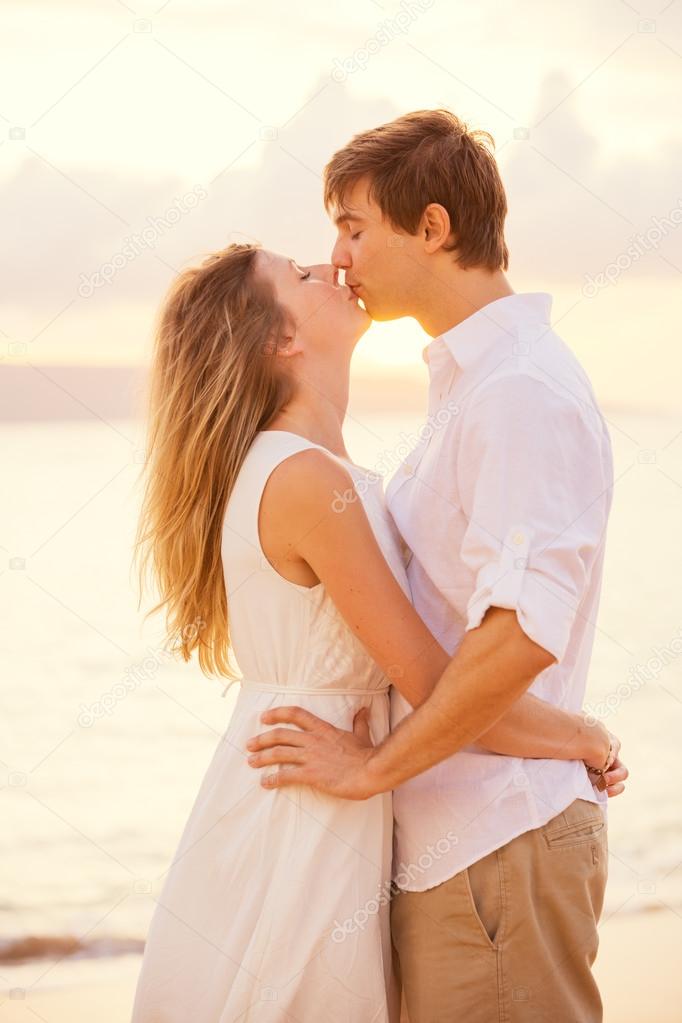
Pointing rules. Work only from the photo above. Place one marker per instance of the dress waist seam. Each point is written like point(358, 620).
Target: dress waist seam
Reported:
point(274, 687)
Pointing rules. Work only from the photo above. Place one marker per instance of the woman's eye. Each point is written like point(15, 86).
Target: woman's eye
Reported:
point(305, 276)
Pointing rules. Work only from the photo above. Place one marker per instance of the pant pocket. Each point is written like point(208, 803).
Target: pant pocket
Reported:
point(483, 886)
point(581, 822)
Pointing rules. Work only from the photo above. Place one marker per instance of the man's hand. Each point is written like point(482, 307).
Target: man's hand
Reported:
point(613, 780)
point(615, 771)
point(327, 758)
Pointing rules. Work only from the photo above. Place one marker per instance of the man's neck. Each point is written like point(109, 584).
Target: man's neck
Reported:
point(453, 296)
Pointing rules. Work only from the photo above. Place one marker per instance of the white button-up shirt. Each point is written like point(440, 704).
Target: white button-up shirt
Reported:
point(504, 502)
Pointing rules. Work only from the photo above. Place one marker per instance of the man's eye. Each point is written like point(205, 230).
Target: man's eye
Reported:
point(356, 235)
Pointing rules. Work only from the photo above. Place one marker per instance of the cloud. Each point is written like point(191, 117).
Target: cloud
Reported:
point(571, 209)
point(67, 223)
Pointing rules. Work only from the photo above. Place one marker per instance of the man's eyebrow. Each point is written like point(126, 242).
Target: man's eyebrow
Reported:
point(343, 218)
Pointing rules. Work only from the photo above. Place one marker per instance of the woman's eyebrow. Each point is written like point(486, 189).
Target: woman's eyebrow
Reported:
point(294, 266)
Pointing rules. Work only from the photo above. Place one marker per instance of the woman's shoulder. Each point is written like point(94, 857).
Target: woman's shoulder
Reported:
point(306, 478)
point(309, 476)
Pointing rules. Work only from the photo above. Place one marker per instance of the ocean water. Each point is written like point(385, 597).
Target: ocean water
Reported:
point(105, 738)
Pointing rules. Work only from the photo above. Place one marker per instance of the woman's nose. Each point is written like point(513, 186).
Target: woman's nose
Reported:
point(326, 272)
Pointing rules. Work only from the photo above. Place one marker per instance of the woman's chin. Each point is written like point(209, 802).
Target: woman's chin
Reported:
point(364, 323)
point(354, 334)
point(361, 313)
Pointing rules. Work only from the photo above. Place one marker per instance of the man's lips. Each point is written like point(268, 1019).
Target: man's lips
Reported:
point(355, 294)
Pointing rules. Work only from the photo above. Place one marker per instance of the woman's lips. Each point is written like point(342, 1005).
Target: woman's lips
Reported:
point(354, 295)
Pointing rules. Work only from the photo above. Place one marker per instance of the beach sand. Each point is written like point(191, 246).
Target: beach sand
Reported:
point(638, 971)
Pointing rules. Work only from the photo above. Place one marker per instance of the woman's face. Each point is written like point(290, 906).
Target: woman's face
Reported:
point(326, 314)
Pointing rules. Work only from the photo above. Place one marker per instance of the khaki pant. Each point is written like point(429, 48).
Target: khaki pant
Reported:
point(512, 938)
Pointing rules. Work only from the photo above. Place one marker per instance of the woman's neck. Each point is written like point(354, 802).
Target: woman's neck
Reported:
point(317, 413)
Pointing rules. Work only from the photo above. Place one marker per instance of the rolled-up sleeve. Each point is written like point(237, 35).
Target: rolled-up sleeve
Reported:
point(535, 489)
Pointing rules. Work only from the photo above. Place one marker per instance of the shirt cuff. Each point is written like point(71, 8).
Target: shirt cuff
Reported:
point(544, 608)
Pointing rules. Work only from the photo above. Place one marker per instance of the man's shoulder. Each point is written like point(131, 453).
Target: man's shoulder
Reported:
point(545, 372)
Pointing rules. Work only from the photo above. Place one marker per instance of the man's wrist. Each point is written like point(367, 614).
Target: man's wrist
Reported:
point(374, 777)
point(598, 742)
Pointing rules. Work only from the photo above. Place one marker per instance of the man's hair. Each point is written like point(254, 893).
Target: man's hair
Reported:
point(423, 157)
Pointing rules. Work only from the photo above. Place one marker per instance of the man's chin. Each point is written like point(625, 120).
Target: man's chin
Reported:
point(368, 308)
point(377, 313)
point(381, 315)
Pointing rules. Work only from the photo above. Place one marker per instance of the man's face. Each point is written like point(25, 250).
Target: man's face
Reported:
point(382, 264)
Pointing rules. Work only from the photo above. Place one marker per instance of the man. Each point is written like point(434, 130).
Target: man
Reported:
point(504, 505)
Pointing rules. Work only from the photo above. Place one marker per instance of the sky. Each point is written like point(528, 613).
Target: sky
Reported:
point(203, 123)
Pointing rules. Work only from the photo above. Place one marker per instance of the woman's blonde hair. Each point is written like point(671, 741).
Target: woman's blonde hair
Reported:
point(213, 385)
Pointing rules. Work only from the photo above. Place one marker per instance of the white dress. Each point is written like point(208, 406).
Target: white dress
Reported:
point(276, 905)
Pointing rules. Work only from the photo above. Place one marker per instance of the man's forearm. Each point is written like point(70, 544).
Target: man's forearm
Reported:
point(534, 728)
point(492, 668)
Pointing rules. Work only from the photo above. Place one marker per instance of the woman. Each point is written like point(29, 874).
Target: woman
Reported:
point(276, 906)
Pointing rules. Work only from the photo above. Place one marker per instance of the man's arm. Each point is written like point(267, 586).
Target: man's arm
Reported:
point(492, 668)
point(536, 729)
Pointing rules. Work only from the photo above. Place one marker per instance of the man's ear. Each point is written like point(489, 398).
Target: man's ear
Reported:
point(435, 226)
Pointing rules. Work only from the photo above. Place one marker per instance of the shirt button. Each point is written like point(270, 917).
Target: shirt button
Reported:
point(518, 538)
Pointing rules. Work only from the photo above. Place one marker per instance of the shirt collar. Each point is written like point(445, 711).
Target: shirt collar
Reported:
point(469, 341)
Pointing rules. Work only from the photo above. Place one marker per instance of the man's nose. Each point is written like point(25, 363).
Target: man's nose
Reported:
point(339, 256)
